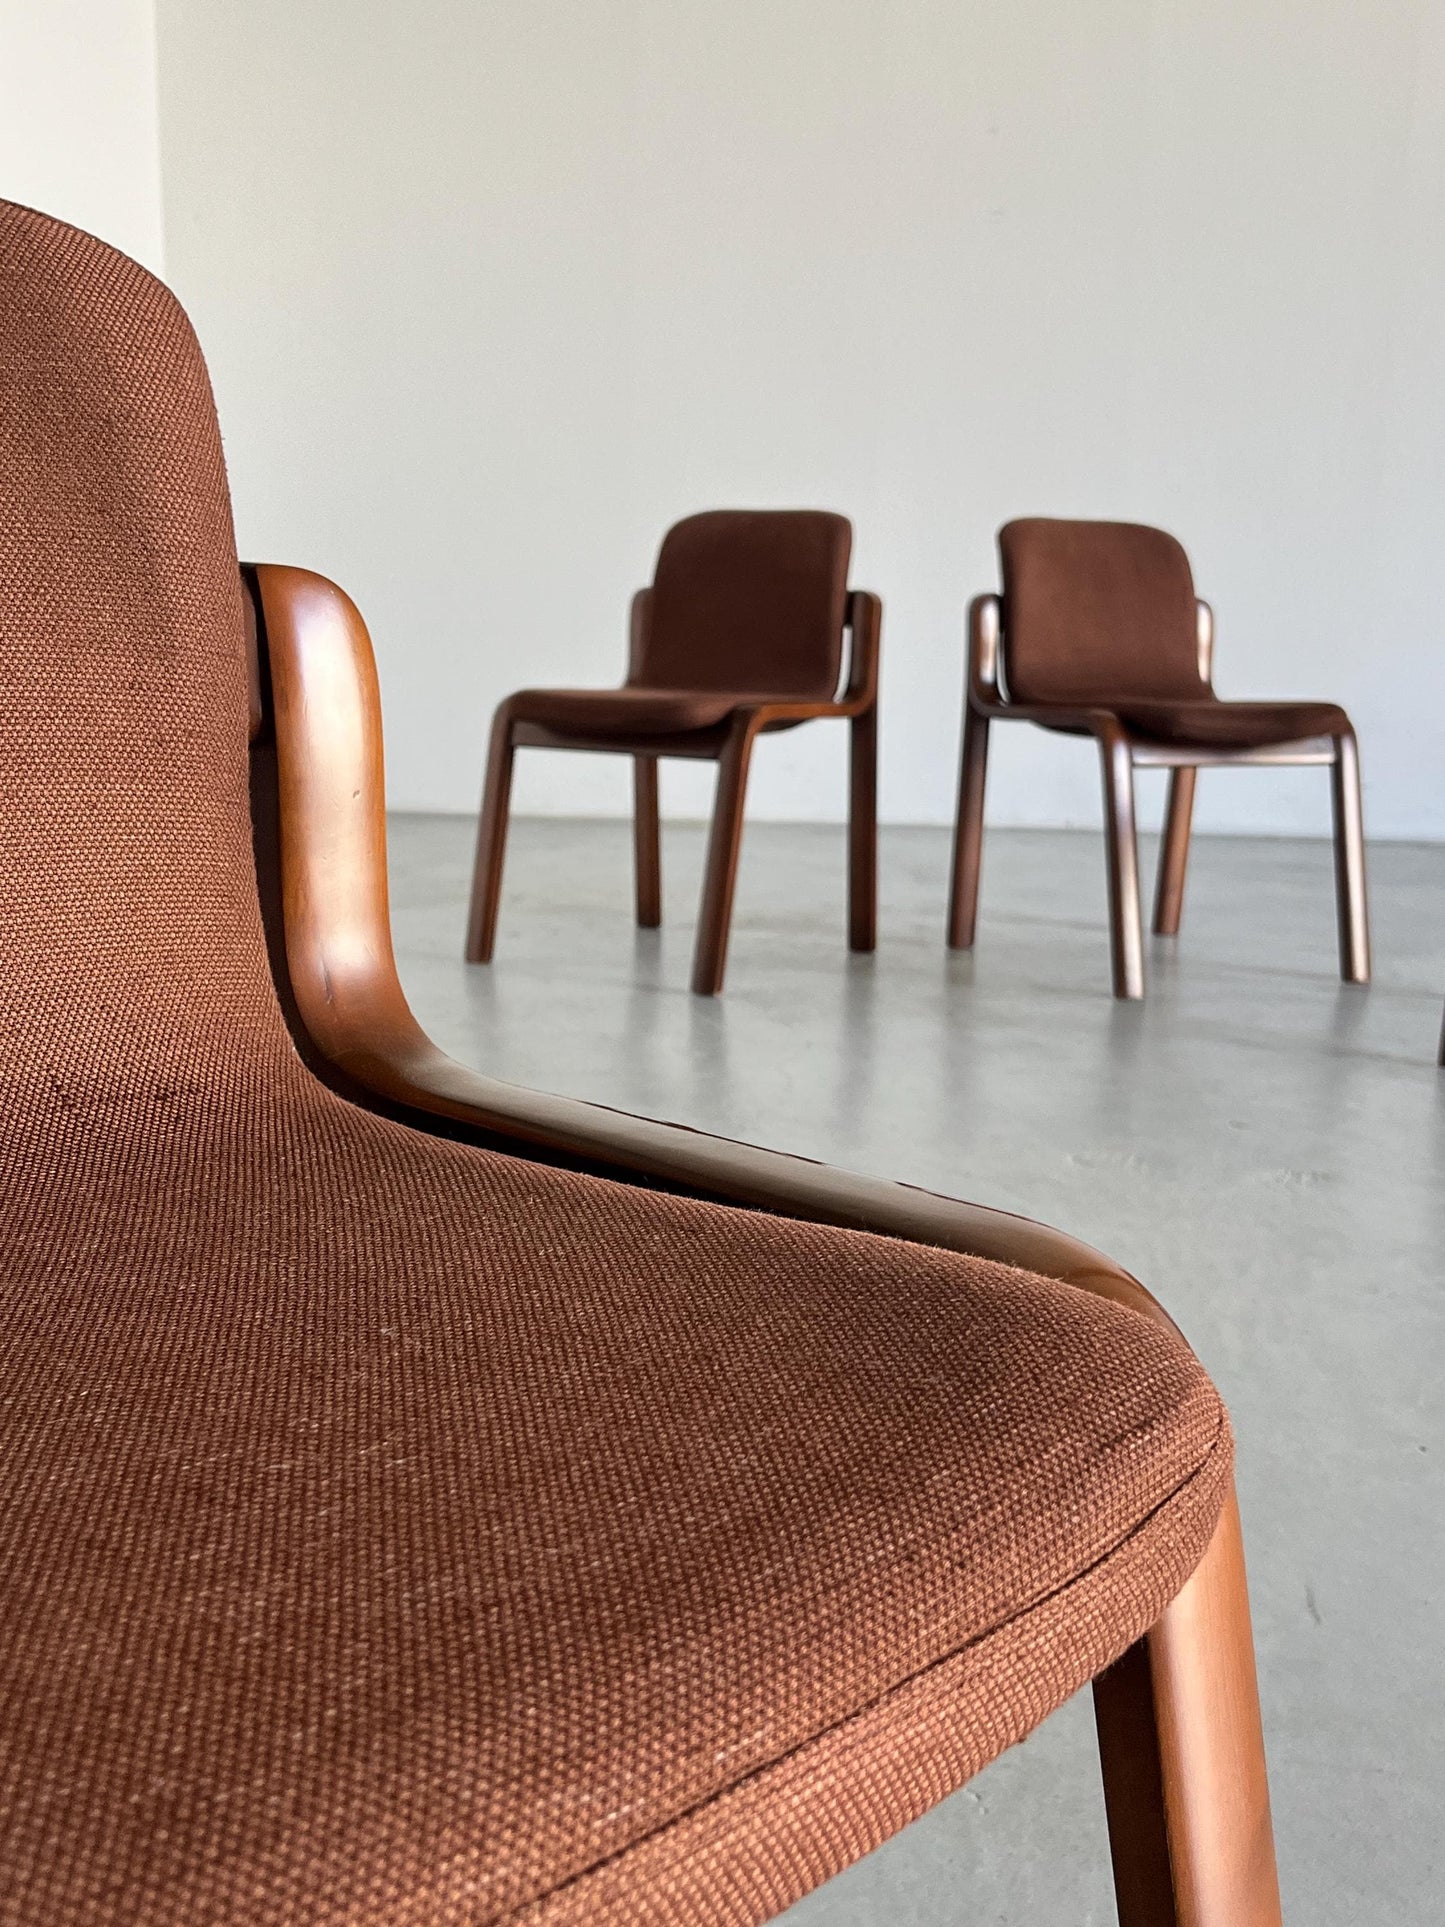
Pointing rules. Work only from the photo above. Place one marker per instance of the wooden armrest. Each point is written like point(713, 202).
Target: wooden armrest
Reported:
point(338, 982)
point(865, 627)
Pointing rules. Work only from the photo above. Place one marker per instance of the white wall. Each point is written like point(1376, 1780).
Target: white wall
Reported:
point(493, 291)
point(79, 135)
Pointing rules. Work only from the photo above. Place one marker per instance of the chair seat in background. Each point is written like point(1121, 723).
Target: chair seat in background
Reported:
point(606, 713)
point(1217, 724)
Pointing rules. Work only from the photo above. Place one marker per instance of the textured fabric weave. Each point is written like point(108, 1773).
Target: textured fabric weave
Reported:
point(750, 599)
point(1097, 612)
point(1225, 725)
point(747, 606)
point(397, 1533)
point(606, 713)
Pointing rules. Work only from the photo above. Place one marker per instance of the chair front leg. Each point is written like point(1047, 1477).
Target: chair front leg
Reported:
point(1350, 902)
point(491, 842)
point(1126, 934)
point(968, 831)
point(1182, 1752)
point(724, 845)
point(1174, 852)
point(863, 830)
point(646, 842)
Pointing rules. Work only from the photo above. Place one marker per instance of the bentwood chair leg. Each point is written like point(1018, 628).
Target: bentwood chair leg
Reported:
point(646, 842)
point(1182, 1753)
point(491, 844)
point(1174, 852)
point(968, 832)
point(863, 831)
point(1126, 935)
point(1350, 902)
point(724, 844)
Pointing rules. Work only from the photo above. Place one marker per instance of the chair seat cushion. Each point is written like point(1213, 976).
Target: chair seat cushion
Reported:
point(396, 1532)
point(1223, 725)
point(603, 713)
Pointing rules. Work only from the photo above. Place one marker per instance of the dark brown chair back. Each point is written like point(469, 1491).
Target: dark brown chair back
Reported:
point(752, 600)
point(1097, 611)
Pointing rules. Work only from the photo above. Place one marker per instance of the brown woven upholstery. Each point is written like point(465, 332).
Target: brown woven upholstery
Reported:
point(1097, 612)
point(750, 599)
point(394, 1532)
point(608, 713)
point(1102, 614)
point(1223, 725)
point(747, 606)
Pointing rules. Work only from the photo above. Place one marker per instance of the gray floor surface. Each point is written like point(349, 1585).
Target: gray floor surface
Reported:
point(1263, 1146)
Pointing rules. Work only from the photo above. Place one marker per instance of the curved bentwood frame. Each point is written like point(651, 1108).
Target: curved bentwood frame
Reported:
point(1178, 1715)
point(729, 744)
point(1121, 752)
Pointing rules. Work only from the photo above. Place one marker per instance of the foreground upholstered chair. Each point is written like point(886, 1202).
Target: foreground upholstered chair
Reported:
point(1098, 633)
point(741, 633)
point(426, 1501)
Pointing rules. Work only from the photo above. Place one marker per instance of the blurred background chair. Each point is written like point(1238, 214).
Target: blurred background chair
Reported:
point(427, 1500)
point(1098, 632)
point(741, 633)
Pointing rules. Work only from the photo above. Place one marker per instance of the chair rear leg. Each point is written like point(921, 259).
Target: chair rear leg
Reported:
point(1174, 852)
point(863, 831)
point(1351, 906)
point(646, 842)
point(1126, 935)
point(1182, 1753)
point(1124, 1719)
point(491, 843)
point(968, 832)
point(724, 844)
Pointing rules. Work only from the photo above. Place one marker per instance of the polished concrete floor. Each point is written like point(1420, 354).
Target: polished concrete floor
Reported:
point(1264, 1147)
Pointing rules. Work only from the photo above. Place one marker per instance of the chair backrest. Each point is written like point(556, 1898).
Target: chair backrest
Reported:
point(752, 600)
point(1096, 611)
point(131, 949)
